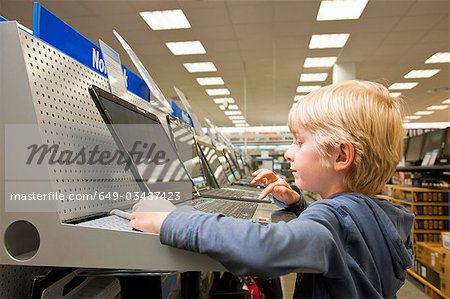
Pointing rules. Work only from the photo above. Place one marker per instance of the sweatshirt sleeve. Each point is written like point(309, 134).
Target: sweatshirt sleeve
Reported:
point(296, 208)
point(306, 244)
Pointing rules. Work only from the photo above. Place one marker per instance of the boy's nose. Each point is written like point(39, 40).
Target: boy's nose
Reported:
point(288, 155)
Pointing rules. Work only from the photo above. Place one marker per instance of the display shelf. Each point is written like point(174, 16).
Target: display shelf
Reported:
point(426, 284)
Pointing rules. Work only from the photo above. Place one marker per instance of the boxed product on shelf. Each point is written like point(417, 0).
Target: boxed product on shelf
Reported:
point(430, 210)
point(427, 237)
point(444, 272)
point(429, 274)
point(430, 254)
point(445, 240)
point(431, 224)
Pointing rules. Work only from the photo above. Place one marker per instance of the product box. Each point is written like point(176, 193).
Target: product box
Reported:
point(420, 252)
point(434, 256)
point(429, 274)
point(445, 240)
point(445, 272)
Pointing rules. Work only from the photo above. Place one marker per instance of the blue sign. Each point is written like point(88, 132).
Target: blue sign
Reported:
point(2, 19)
point(54, 31)
point(181, 114)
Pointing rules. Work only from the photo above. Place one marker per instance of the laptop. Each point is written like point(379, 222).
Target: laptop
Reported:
point(183, 137)
point(131, 125)
point(222, 169)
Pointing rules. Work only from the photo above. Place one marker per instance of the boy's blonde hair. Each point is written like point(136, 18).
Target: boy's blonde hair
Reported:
point(362, 113)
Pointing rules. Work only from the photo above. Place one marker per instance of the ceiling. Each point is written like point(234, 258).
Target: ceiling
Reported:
point(259, 47)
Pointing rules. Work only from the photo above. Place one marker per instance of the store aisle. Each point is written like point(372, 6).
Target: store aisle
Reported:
point(411, 289)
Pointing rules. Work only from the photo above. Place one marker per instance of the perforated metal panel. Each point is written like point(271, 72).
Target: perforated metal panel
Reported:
point(67, 116)
point(16, 281)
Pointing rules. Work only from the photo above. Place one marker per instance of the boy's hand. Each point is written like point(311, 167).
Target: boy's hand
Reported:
point(275, 185)
point(146, 221)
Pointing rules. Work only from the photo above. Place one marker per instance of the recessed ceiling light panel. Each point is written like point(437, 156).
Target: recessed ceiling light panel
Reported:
point(313, 77)
point(166, 19)
point(308, 88)
point(198, 67)
point(323, 41)
point(437, 107)
point(424, 112)
point(402, 86)
point(341, 10)
point(223, 100)
point(319, 62)
point(421, 73)
point(410, 117)
point(235, 117)
point(186, 48)
point(210, 81)
point(234, 112)
point(395, 94)
point(440, 57)
point(218, 91)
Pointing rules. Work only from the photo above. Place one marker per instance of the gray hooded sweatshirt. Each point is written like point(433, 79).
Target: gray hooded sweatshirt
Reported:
point(347, 246)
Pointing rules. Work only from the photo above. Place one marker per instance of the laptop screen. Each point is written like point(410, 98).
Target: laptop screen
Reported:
point(187, 151)
point(233, 164)
point(149, 147)
point(217, 164)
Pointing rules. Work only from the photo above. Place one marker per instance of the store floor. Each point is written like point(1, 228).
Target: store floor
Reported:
point(411, 289)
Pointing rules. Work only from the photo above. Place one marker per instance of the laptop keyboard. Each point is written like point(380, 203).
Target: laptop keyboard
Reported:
point(231, 193)
point(230, 208)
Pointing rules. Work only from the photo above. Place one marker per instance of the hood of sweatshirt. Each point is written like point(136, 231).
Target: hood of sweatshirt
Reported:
point(394, 225)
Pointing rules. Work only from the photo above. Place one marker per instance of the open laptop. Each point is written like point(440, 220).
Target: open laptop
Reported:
point(183, 137)
point(131, 125)
point(222, 169)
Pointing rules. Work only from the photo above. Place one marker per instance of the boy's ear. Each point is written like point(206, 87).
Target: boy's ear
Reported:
point(345, 156)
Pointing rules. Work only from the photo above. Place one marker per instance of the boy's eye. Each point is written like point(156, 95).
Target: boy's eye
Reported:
point(297, 143)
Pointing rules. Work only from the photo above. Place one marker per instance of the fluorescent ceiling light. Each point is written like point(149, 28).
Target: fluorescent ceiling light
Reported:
point(223, 100)
point(341, 10)
point(437, 107)
point(421, 73)
point(222, 107)
point(447, 101)
point(322, 41)
point(440, 57)
point(308, 88)
point(241, 125)
point(407, 85)
point(413, 117)
point(424, 112)
point(234, 117)
point(298, 98)
point(313, 77)
point(406, 121)
point(233, 107)
point(242, 121)
point(218, 91)
point(210, 81)
point(319, 61)
point(234, 112)
point(197, 67)
point(186, 48)
point(166, 19)
point(395, 94)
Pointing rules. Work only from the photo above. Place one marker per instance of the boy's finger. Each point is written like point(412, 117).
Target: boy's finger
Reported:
point(258, 171)
point(269, 175)
point(269, 188)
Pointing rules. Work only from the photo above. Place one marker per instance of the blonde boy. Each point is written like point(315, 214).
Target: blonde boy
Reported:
point(347, 143)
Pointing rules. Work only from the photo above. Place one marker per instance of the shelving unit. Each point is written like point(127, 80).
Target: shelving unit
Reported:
point(432, 217)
